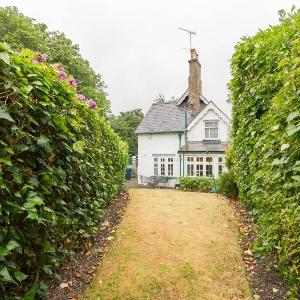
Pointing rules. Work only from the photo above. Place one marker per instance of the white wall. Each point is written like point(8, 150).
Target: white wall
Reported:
point(197, 133)
point(156, 143)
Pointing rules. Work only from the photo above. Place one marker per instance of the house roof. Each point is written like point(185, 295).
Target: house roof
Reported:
point(166, 117)
point(204, 146)
point(185, 95)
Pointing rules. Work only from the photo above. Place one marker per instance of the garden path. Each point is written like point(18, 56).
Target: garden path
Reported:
point(173, 245)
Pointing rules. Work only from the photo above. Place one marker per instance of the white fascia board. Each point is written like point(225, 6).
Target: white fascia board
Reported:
point(208, 107)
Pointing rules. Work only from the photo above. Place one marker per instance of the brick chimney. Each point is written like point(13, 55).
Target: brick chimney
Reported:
point(195, 83)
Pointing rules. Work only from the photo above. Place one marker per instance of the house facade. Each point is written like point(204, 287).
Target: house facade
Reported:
point(187, 138)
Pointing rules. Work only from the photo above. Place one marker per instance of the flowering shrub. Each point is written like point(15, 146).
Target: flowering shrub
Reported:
point(195, 184)
point(60, 165)
point(265, 157)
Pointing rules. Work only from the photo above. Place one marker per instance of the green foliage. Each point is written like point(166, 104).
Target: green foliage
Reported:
point(226, 185)
point(160, 99)
point(60, 166)
point(20, 32)
point(265, 92)
point(195, 184)
point(125, 125)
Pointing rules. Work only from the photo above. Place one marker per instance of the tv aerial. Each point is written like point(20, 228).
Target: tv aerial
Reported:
point(190, 34)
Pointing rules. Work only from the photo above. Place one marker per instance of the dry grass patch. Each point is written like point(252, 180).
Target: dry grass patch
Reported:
point(173, 245)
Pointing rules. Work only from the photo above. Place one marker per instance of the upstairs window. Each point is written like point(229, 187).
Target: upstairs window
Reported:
point(211, 129)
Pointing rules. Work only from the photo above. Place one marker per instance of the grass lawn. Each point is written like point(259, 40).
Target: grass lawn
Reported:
point(173, 245)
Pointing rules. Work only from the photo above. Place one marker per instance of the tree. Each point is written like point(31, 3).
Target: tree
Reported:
point(20, 32)
point(160, 99)
point(125, 125)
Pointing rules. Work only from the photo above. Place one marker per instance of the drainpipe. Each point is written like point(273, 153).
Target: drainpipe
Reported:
point(185, 137)
point(179, 165)
point(185, 125)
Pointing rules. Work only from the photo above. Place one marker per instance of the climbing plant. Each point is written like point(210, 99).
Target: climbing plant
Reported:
point(60, 166)
point(265, 93)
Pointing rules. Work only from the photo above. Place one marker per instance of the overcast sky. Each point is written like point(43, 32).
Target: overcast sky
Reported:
point(137, 48)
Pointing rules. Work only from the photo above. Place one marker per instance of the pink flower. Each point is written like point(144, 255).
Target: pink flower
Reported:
point(73, 83)
point(91, 103)
point(34, 61)
point(42, 57)
point(80, 97)
point(62, 75)
point(58, 67)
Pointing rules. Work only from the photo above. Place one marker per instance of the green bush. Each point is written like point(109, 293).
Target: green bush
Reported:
point(226, 185)
point(195, 184)
point(265, 93)
point(60, 166)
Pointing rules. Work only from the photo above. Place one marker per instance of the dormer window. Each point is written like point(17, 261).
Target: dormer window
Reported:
point(211, 129)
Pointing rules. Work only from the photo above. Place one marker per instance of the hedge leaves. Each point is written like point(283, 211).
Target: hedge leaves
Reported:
point(265, 93)
point(60, 166)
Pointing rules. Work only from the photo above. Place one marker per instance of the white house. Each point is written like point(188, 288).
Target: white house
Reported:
point(187, 138)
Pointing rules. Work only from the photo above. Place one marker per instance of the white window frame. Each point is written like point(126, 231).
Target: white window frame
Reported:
point(170, 166)
point(195, 165)
point(163, 165)
point(155, 165)
point(210, 126)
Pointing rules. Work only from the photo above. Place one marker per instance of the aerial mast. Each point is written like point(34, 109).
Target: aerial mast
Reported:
point(190, 34)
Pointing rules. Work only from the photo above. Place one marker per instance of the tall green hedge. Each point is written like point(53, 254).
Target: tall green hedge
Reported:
point(60, 166)
point(265, 93)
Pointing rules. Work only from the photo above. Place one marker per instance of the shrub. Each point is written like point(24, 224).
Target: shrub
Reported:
point(266, 138)
point(226, 185)
point(195, 184)
point(60, 166)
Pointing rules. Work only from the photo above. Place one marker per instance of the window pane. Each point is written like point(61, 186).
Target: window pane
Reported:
point(199, 170)
point(220, 169)
point(220, 159)
point(206, 133)
point(170, 169)
point(208, 159)
point(162, 169)
point(208, 170)
point(213, 133)
point(190, 170)
point(209, 124)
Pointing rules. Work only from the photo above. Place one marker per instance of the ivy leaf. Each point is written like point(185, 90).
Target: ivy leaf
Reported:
point(284, 147)
point(43, 142)
point(5, 57)
point(78, 146)
point(32, 200)
point(6, 161)
point(296, 178)
point(5, 276)
point(30, 294)
point(32, 212)
point(293, 115)
point(20, 276)
point(292, 129)
point(12, 244)
point(5, 115)
point(37, 83)
point(3, 251)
